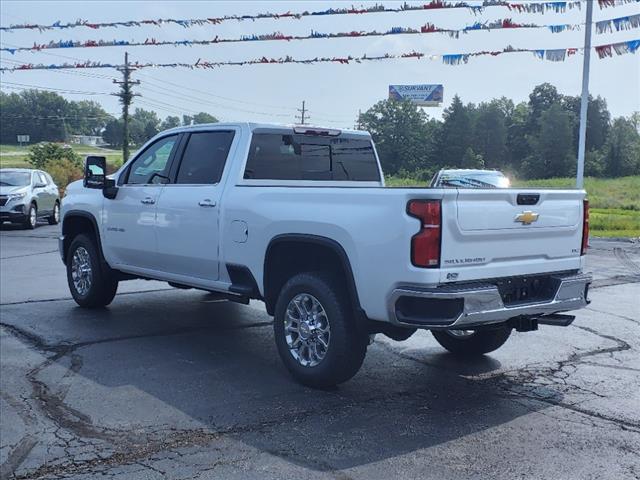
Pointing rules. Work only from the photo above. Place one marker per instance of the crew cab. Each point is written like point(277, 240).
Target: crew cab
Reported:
point(300, 218)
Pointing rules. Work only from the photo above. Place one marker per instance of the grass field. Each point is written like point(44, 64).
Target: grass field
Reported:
point(614, 202)
point(16, 156)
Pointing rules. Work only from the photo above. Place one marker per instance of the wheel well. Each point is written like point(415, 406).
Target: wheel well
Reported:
point(289, 255)
point(74, 225)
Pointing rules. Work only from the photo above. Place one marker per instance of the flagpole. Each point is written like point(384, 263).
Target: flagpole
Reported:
point(584, 104)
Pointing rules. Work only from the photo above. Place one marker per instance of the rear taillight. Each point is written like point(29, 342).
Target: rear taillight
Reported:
point(585, 227)
point(425, 245)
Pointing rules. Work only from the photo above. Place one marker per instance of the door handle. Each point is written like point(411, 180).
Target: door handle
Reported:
point(148, 201)
point(207, 203)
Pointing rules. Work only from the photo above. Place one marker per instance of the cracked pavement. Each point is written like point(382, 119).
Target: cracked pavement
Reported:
point(177, 384)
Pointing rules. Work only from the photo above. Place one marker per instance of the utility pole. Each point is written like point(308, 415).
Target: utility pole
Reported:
point(304, 116)
point(126, 95)
point(358, 124)
point(584, 104)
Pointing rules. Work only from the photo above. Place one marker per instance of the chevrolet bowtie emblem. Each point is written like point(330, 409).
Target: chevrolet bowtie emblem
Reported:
point(527, 218)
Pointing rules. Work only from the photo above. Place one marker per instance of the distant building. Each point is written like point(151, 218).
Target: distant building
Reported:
point(92, 140)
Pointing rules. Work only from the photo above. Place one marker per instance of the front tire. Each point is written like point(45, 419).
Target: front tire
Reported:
point(315, 332)
point(472, 343)
point(90, 285)
point(31, 219)
point(54, 219)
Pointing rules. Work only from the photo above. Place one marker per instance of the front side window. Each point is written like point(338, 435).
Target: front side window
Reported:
point(311, 157)
point(204, 158)
point(152, 166)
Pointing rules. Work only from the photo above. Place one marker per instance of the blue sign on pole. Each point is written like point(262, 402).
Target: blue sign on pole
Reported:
point(422, 95)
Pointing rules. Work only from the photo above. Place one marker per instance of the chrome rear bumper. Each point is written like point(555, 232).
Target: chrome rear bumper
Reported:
point(452, 306)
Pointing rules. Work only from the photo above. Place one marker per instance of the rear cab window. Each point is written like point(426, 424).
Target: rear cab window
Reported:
point(204, 157)
point(292, 156)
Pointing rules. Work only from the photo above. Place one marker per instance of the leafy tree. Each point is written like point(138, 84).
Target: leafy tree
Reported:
point(86, 118)
point(598, 121)
point(471, 159)
point(490, 134)
point(456, 133)
point(144, 124)
point(170, 122)
point(518, 146)
point(542, 98)
point(622, 151)
point(187, 120)
point(113, 133)
point(204, 117)
point(399, 129)
point(552, 149)
point(42, 154)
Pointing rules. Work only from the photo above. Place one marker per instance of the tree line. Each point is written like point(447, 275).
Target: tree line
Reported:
point(49, 117)
point(533, 139)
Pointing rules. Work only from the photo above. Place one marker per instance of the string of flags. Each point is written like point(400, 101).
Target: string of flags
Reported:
point(553, 55)
point(427, 28)
point(614, 3)
point(620, 23)
point(520, 7)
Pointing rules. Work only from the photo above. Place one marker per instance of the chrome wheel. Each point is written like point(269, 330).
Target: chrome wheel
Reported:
point(307, 330)
point(81, 272)
point(33, 216)
point(461, 333)
point(56, 213)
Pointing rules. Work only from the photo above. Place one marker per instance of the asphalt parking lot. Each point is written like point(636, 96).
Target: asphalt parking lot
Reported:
point(176, 384)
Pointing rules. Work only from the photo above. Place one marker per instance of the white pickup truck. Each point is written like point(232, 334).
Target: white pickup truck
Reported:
point(299, 217)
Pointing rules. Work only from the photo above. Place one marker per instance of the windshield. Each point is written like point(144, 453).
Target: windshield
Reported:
point(474, 180)
point(14, 179)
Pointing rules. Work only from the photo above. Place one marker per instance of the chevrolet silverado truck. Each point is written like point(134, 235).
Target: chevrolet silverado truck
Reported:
point(299, 217)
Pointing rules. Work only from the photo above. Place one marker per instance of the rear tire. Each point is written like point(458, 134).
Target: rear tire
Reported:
point(90, 283)
point(315, 331)
point(54, 219)
point(476, 343)
point(31, 219)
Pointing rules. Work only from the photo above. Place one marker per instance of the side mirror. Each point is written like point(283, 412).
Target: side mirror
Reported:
point(95, 169)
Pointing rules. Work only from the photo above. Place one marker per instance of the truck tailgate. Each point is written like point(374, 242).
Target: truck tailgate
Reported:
point(505, 232)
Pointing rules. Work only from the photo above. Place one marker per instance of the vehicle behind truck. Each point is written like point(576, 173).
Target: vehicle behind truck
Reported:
point(299, 217)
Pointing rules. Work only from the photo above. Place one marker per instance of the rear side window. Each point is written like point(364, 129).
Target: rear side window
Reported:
point(309, 157)
point(204, 158)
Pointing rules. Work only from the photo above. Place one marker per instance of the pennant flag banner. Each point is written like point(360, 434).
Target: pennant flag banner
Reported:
point(554, 55)
point(614, 3)
point(621, 23)
point(521, 7)
point(427, 28)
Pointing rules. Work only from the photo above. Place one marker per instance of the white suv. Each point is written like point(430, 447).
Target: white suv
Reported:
point(26, 195)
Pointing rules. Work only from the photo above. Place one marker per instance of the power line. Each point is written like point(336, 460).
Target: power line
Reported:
point(21, 86)
point(184, 87)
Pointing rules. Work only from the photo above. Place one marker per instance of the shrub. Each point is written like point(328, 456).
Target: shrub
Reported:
point(64, 171)
point(43, 154)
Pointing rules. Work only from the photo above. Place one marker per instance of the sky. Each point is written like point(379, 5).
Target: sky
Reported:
point(333, 93)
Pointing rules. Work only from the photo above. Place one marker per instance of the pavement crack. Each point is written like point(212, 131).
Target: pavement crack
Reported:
point(28, 255)
point(60, 299)
point(17, 455)
point(617, 315)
